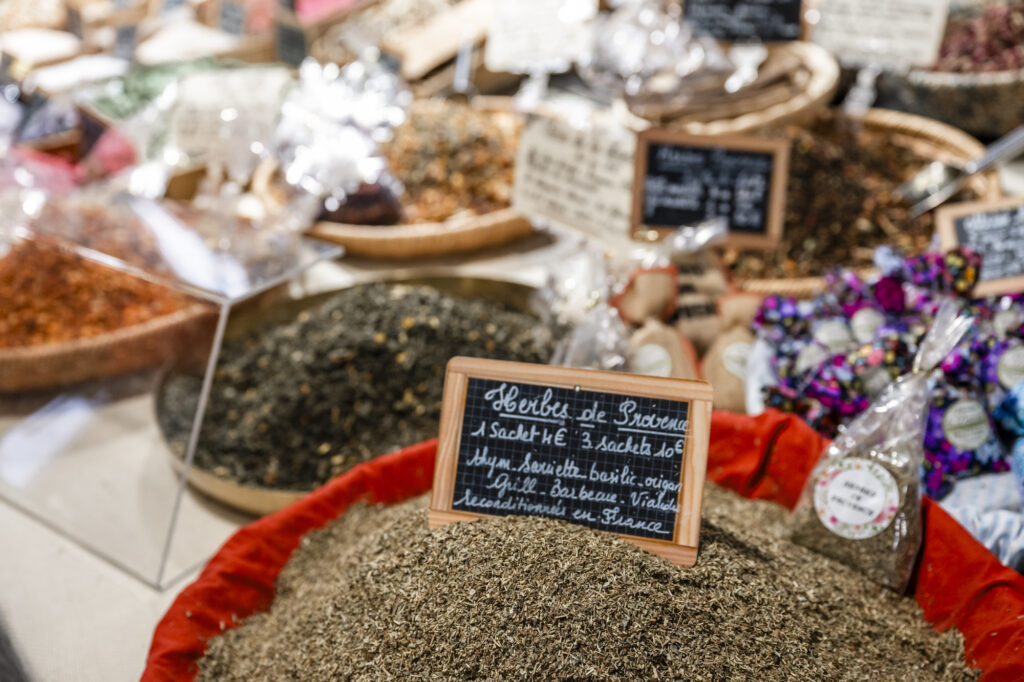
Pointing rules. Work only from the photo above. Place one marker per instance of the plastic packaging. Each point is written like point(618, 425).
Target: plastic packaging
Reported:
point(862, 503)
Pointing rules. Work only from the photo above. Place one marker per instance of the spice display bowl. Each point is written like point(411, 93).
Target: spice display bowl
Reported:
point(278, 308)
point(150, 344)
point(461, 233)
point(799, 79)
point(988, 105)
point(931, 139)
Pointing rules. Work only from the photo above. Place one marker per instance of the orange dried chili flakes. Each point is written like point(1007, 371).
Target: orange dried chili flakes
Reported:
point(49, 295)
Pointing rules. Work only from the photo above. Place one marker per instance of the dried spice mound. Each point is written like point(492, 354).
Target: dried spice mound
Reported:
point(530, 598)
point(454, 159)
point(990, 41)
point(351, 379)
point(840, 204)
point(51, 295)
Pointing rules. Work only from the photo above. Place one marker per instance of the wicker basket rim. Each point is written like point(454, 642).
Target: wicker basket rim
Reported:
point(944, 79)
point(133, 332)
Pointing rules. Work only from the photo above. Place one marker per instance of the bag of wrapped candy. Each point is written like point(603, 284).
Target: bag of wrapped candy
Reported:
point(862, 503)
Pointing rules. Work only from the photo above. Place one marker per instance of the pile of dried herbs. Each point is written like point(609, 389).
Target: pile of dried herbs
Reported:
point(993, 40)
point(840, 204)
point(378, 595)
point(355, 377)
point(454, 160)
point(51, 295)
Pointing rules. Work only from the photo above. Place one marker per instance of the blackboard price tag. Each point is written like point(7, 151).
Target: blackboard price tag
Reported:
point(683, 180)
point(994, 229)
point(746, 20)
point(291, 44)
point(618, 453)
point(232, 17)
point(124, 42)
point(74, 21)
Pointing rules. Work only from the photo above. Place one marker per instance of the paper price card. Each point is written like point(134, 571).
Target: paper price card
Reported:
point(525, 36)
point(619, 453)
point(892, 33)
point(580, 178)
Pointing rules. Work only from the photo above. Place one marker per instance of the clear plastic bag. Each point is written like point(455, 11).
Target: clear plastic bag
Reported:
point(862, 503)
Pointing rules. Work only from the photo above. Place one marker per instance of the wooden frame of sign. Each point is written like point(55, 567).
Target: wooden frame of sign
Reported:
point(779, 148)
point(945, 225)
point(682, 548)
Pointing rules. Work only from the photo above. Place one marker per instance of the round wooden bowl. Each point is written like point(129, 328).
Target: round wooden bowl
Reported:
point(244, 498)
point(261, 500)
point(988, 105)
point(459, 234)
point(931, 139)
point(797, 82)
point(151, 344)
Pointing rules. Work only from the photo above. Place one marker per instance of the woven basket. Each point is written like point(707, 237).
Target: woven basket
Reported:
point(932, 140)
point(459, 234)
point(805, 81)
point(988, 105)
point(151, 344)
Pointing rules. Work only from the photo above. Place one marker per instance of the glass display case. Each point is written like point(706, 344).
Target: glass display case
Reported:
point(101, 300)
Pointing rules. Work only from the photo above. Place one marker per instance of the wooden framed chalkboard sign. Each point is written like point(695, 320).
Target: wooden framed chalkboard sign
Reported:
point(995, 229)
point(746, 20)
point(619, 453)
point(681, 180)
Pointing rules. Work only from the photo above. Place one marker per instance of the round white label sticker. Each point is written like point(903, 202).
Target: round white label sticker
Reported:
point(834, 335)
point(865, 322)
point(856, 498)
point(810, 357)
point(1010, 368)
point(734, 357)
point(652, 360)
point(965, 425)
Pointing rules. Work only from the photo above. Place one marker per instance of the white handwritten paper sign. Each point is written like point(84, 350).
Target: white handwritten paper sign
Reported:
point(580, 178)
point(994, 229)
point(619, 453)
point(538, 35)
point(683, 180)
point(894, 33)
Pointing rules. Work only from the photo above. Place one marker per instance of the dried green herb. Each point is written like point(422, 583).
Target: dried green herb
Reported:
point(530, 598)
point(358, 376)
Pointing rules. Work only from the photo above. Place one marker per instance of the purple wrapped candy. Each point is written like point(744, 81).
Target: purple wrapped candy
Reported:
point(1003, 368)
point(779, 318)
point(960, 439)
point(961, 270)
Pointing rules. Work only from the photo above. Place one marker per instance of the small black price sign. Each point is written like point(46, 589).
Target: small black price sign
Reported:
point(291, 43)
point(618, 453)
point(124, 42)
point(74, 21)
point(681, 180)
point(994, 229)
point(746, 20)
point(232, 17)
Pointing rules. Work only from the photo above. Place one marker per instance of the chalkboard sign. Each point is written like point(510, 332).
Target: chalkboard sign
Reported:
point(683, 180)
point(996, 231)
point(291, 43)
point(232, 17)
point(618, 453)
point(124, 42)
point(746, 20)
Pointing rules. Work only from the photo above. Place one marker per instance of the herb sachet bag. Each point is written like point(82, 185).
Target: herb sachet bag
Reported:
point(862, 503)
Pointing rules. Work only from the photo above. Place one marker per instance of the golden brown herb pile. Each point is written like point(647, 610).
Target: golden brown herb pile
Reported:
point(378, 596)
point(452, 160)
point(50, 295)
point(840, 204)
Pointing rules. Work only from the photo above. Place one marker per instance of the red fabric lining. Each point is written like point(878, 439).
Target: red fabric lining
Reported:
point(960, 583)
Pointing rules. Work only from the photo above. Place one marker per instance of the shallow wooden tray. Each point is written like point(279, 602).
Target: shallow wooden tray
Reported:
point(151, 344)
point(261, 500)
point(931, 139)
